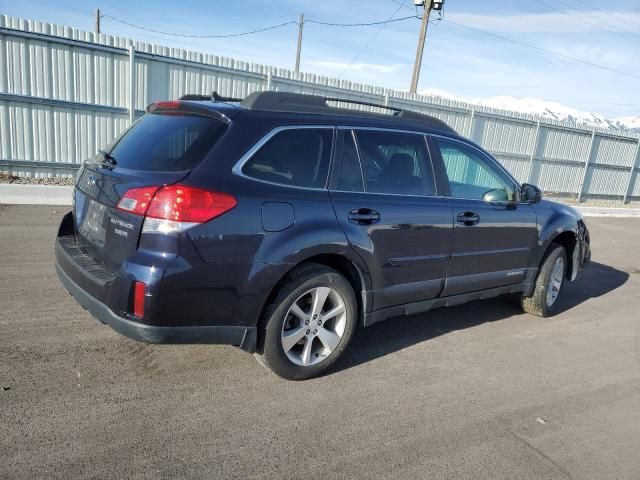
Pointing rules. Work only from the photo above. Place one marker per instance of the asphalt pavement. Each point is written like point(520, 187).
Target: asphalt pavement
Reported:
point(476, 391)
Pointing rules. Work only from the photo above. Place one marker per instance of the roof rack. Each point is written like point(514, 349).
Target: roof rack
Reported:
point(214, 97)
point(303, 103)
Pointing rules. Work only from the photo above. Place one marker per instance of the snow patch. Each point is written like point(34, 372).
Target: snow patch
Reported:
point(545, 109)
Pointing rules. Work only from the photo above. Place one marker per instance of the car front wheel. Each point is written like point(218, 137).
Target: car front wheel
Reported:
point(308, 324)
point(549, 283)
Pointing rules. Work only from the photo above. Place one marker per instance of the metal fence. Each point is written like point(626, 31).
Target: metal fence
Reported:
point(64, 93)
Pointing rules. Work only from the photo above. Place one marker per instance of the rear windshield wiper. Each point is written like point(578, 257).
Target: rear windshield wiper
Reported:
point(108, 157)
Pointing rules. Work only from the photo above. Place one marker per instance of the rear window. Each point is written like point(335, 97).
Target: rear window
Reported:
point(298, 157)
point(161, 142)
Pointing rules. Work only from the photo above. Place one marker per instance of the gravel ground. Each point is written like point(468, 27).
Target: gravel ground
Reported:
point(475, 391)
point(592, 202)
point(60, 181)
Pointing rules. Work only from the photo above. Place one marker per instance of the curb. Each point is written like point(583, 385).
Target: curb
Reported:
point(18, 194)
point(609, 212)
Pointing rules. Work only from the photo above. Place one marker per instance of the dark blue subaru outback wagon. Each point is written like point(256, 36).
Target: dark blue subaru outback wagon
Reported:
point(280, 222)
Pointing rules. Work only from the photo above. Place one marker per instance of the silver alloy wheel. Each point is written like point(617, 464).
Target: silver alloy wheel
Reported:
point(314, 326)
point(555, 281)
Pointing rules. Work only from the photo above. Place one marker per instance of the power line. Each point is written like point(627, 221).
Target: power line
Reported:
point(587, 20)
point(383, 22)
point(373, 37)
point(544, 50)
point(273, 27)
point(607, 22)
point(403, 4)
point(593, 7)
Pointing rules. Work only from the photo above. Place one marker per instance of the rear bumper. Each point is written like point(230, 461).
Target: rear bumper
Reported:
point(107, 295)
point(243, 337)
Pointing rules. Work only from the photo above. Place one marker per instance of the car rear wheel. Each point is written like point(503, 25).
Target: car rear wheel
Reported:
point(308, 324)
point(549, 283)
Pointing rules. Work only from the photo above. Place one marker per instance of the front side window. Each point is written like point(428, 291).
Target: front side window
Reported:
point(297, 157)
point(471, 176)
point(395, 162)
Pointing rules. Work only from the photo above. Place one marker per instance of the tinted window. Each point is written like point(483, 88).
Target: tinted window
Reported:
point(297, 157)
point(471, 174)
point(350, 173)
point(167, 142)
point(395, 163)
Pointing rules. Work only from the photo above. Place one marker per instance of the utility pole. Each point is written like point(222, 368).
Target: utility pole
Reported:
point(97, 20)
point(427, 4)
point(300, 25)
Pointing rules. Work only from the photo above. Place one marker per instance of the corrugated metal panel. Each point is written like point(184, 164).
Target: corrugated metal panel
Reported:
point(59, 135)
point(501, 135)
point(605, 181)
point(613, 151)
point(67, 65)
point(634, 191)
point(16, 63)
point(563, 145)
point(555, 177)
point(518, 167)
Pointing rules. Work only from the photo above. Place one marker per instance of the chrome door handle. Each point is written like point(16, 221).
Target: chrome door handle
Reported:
point(364, 216)
point(468, 218)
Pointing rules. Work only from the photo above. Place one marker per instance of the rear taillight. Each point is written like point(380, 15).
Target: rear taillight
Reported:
point(136, 200)
point(175, 208)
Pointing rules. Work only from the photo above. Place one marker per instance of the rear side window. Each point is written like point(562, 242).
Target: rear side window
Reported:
point(297, 157)
point(395, 163)
point(350, 173)
point(162, 142)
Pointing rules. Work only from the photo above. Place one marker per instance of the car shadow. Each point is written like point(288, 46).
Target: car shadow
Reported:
point(398, 333)
point(594, 281)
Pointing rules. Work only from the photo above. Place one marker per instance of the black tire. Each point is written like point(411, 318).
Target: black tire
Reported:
point(537, 304)
point(271, 353)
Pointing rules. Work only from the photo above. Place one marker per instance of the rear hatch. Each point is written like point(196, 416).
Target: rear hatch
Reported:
point(159, 149)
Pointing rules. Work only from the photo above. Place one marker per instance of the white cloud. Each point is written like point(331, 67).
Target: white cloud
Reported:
point(358, 67)
point(568, 21)
point(595, 54)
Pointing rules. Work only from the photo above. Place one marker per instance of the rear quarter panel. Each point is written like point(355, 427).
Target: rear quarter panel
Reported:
point(238, 242)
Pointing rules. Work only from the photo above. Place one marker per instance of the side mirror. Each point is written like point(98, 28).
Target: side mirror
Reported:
point(530, 193)
point(495, 195)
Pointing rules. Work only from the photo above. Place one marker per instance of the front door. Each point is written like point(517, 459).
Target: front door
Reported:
point(493, 233)
point(384, 195)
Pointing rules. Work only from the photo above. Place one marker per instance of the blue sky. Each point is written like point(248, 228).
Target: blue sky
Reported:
point(457, 60)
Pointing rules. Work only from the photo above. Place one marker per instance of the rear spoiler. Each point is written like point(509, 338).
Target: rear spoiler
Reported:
point(177, 107)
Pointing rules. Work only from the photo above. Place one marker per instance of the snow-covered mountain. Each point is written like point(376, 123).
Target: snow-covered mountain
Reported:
point(630, 124)
point(547, 109)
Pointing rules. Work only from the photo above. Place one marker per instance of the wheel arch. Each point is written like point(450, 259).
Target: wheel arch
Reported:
point(355, 274)
point(568, 239)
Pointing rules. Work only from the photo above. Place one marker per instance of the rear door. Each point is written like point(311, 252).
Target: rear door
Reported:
point(493, 234)
point(160, 149)
point(384, 193)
